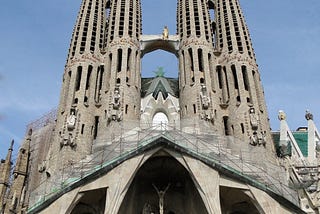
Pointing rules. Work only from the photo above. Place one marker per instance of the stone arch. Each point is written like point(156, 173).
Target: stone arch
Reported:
point(166, 107)
point(91, 202)
point(160, 117)
point(164, 172)
point(150, 43)
point(237, 201)
point(82, 208)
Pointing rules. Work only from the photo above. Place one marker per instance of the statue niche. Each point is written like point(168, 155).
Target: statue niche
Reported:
point(115, 114)
point(71, 121)
point(258, 140)
point(68, 137)
point(253, 119)
point(206, 113)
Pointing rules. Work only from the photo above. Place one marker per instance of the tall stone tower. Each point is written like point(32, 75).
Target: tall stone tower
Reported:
point(219, 83)
point(5, 169)
point(219, 71)
point(239, 86)
point(101, 83)
point(125, 144)
point(17, 201)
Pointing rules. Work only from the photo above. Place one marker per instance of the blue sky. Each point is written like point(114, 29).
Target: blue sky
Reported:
point(35, 36)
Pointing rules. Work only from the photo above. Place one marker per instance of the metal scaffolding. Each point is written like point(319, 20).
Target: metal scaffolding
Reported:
point(211, 148)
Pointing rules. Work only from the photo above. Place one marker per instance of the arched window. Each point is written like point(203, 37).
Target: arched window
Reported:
point(160, 120)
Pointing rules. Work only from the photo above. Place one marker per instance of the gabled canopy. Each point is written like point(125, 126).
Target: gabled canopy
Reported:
point(159, 84)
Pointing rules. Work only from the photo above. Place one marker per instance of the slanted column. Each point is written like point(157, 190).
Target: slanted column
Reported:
point(313, 139)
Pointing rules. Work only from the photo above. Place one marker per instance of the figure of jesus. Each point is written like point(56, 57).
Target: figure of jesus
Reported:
point(161, 194)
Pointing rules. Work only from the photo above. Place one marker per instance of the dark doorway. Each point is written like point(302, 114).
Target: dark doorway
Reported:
point(164, 173)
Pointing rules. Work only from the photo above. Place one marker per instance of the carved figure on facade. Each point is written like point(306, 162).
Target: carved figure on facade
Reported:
point(254, 139)
point(207, 116)
point(115, 113)
point(71, 121)
point(253, 119)
point(161, 194)
point(285, 149)
point(116, 99)
point(205, 99)
point(165, 33)
point(263, 139)
point(68, 136)
point(147, 209)
point(258, 139)
point(68, 140)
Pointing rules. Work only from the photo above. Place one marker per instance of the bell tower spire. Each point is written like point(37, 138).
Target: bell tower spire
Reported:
point(220, 87)
point(16, 201)
point(101, 83)
point(239, 82)
point(5, 170)
point(195, 59)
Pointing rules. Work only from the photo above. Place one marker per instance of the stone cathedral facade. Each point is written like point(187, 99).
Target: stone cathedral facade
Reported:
point(120, 143)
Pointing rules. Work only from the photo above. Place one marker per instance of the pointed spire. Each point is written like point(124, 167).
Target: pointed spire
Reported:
point(15, 201)
point(5, 175)
point(11, 146)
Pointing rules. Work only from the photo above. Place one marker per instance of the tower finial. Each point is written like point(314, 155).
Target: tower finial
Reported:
point(282, 115)
point(159, 72)
point(309, 115)
point(11, 146)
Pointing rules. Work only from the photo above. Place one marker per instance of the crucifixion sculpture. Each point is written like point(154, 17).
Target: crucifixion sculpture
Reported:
point(161, 194)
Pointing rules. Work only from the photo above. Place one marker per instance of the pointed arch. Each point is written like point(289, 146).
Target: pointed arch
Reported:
point(162, 171)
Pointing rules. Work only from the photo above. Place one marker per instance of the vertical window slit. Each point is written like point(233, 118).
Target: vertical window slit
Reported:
point(129, 60)
point(226, 78)
point(126, 110)
point(101, 76)
point(200, 60)
point(225, 123)
point(235, 78)
point(82, 128)
point(245, 77)
point(119, 60)
point(219, 76)
point(88, 77)
point(78, 77)
point(191, 59)
point(96, 127)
